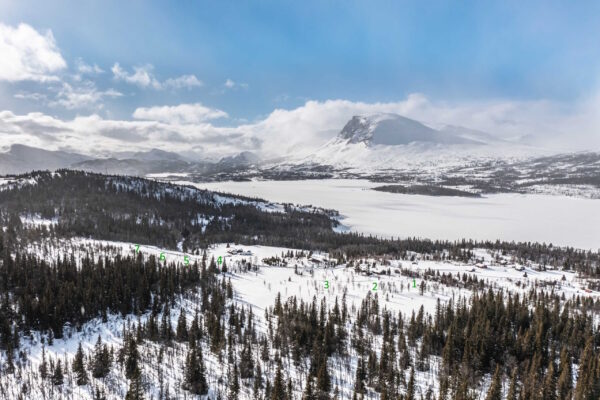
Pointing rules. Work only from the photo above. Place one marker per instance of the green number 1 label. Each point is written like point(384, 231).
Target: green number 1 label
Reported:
point(326, 284)
point(374, 286)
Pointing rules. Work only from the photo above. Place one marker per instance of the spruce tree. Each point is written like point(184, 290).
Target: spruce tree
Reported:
point(79, 367)
point(131, 358)
point(194, 378)
point(234, 383)
point(410, 389)
point(182, 332)
point(513, 388)
point(278, 390)
point(495, 390)
point(43, 365)
point(136, 390)
point(549, 387)
point(57, 375)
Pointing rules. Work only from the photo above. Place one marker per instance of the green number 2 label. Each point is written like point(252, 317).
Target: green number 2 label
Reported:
point(186, 260)
point(326, 284)
point(162, 257)
point(374, 286)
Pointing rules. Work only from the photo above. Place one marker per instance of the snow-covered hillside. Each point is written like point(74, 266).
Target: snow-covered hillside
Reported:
point(259, 275)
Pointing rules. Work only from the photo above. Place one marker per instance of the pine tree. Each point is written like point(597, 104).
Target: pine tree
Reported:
point(323, 379)
point(131, 358)
point(359, 379)
point(182, 333)
point(234, 383)
point(57, 375)
point(565, 383)
point(513, 388)
point(195, 380)
point(100, 365)
point(495, 390)
point(258, 380)
point(410, 390)
point(309, 393)
point(278, 390)
point(43, 365)
point(549, 387)
point(79, 367)
point(135, 391)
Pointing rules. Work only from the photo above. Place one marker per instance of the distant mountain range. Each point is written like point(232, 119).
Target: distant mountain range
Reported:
point(21, 159)
point(384, 147)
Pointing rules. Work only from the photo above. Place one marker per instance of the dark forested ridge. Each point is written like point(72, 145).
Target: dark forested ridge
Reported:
point(148, 212)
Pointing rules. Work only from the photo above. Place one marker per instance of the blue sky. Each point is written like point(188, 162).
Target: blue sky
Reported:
point(285, 53)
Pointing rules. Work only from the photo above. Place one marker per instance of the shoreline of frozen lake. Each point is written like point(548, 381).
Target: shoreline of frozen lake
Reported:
point(560, 220)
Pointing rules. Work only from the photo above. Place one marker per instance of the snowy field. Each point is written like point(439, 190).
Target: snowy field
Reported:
point(560, 220)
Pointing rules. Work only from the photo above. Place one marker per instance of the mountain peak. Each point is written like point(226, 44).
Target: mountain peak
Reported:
point(394, 129)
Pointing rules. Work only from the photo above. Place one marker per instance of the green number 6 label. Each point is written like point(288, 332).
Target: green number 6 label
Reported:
point(162, 257)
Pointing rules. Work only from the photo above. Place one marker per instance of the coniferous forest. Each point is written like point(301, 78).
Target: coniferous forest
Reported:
point(143, 327)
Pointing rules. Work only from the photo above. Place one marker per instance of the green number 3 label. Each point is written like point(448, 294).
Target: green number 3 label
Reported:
point(374, 286)
point(326, 284)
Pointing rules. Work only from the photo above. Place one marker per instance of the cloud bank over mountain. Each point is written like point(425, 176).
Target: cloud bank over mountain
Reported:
point(72, 107)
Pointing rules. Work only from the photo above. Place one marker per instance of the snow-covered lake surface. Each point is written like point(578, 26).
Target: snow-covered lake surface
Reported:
point(560, 220)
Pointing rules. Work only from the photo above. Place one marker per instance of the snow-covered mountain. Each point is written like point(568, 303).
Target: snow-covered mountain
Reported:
point(372, 144)
point(393, 129)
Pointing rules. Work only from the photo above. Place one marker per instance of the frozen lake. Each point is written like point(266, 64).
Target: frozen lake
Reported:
point(559, 220)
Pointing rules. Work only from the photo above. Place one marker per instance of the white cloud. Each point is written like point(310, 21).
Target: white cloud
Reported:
point(30, 96)
point(84, 68)
point(187, 127)
point(180, 114)
point(231, 84)
point(85, 95)
point(143, 77)
point(183, 81)
point(28, 55)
